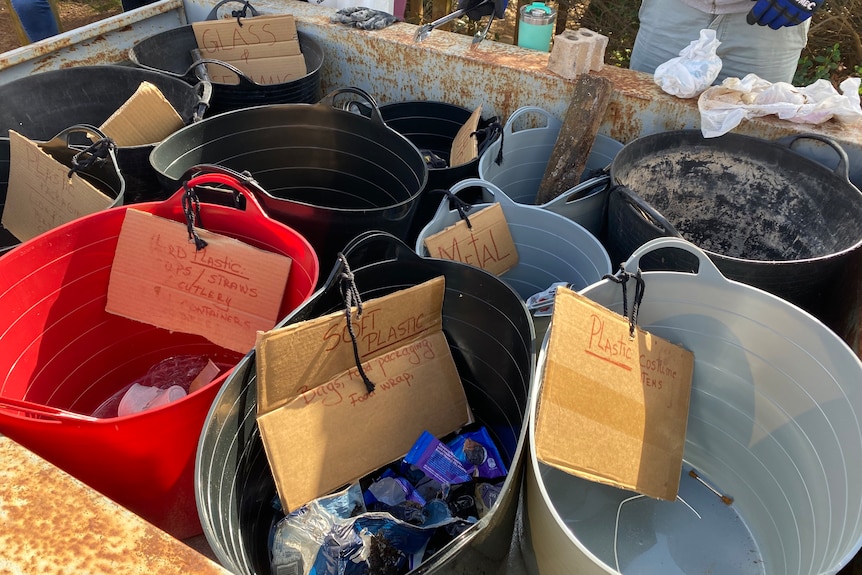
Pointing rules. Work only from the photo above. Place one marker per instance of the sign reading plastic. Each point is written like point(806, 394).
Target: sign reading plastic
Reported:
point(41, 195)
point(320, 426)
point(225, 292)
point(487, 243)
point(612, 408)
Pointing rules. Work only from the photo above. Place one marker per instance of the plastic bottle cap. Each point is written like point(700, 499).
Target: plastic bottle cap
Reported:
point(536, 7)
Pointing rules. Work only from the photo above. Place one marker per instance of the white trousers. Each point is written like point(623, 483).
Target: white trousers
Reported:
point(668, 26)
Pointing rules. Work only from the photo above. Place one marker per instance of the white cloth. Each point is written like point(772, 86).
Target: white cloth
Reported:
point(668, 26)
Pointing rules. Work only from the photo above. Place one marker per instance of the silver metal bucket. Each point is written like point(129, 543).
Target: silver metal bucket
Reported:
point(773, 423)
point(526, 151)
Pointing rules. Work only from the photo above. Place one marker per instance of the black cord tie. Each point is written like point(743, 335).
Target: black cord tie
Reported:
point(242, 13)
point(622, 278)
point(94, 154)
point(350, 295)
point(192, 210)
point(460, 205)
point(491, 131)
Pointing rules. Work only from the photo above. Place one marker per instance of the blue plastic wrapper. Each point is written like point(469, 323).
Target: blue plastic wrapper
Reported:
point(437, 461)
point(476, 451)
point(391, 490)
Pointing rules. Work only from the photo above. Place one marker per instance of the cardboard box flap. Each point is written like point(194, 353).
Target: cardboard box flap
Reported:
point(320, 433)
point(612, 408)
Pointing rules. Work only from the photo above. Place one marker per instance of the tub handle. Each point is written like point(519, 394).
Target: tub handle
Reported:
point(242, 186)
point(244, 80)
point(374, 108)
point(370, 247)
point(108, 177)
point(213, 15)
point(645, 211)
point(581, 191)
point(43, 411)
point(705, 267)
point(551, 122)
point(842, 170)
point(490, 192)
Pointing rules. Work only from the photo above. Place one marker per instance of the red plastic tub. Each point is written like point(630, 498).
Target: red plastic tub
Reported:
point(62, 354)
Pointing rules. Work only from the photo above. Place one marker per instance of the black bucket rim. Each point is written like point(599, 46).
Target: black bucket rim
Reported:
point(681, 138)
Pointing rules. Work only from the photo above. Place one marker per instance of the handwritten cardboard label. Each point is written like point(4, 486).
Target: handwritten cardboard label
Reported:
point(612, 409)
point(147, 117)
point(225, 292)
point(320, 428)
point(264, 48)
point(465, 146)
point(488, 245)
point(40, 194)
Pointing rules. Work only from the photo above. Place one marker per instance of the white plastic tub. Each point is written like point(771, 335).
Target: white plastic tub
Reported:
point(773, 424)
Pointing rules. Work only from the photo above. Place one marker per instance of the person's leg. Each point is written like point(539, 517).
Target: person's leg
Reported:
point(745, 49)
point(36, 18)
point(666, 27)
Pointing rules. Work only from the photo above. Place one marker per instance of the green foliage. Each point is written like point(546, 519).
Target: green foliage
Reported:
point(819, 67)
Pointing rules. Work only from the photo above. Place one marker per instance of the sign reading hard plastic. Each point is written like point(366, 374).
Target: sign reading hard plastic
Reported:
point(226, 292)
point(612, 408)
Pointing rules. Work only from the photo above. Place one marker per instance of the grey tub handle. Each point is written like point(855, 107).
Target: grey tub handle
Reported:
point(842, 170)
point(705, 267)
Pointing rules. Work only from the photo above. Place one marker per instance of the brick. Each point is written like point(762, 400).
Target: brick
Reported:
point(576, 52)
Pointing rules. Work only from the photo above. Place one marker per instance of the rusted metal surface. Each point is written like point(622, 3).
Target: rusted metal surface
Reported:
point(103, 42)
point(52, 523)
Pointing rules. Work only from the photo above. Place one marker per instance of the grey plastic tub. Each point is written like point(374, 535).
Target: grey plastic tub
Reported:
point(773, 423)
point(526, 151)
point(551, 248)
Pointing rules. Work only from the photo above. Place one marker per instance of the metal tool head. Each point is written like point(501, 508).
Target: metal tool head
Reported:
point(422, 32)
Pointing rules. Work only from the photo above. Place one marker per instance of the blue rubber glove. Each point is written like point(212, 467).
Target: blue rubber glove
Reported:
point(476, 9)
point(778, 13)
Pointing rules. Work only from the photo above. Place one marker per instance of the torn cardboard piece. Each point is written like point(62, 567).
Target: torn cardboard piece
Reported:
point(465, 146)
point(41, 195)
point(226, 292)
point(147, 117)
point(320, 427)
point(488, 244)
point(612, 408)
point(264, 48)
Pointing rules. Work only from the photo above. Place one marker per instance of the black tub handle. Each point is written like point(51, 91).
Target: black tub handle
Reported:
point(213, 15)
point(647, 212)
point(244, 80)
point(62, 143)
point(374, 112)
point(842, 170)
point(359, 253)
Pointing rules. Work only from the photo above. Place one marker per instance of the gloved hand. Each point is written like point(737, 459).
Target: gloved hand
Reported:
point(478, 8)
point(778, 13)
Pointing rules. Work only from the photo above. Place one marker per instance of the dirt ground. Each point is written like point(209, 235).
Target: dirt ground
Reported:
point(72, 15)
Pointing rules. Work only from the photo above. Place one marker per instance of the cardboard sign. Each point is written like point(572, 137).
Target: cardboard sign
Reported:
point(225, 292)
point(40, 194)
point(488, 245)
point(264, 48)
point(145, 118)
point(465, 146)
point(320, 428)
point(612, 409)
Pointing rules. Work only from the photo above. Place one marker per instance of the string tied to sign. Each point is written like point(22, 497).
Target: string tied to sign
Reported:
point(622, 277)
point(460, 205)
point(96, 153)
point(192, 210)
point(242, 12)
point(490, 132)
point(351, 297)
